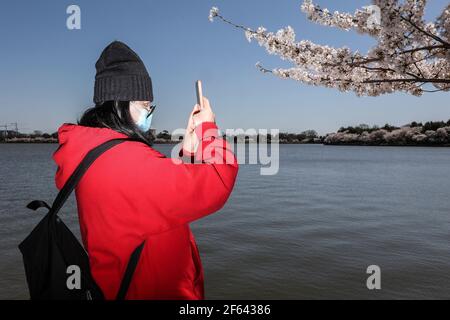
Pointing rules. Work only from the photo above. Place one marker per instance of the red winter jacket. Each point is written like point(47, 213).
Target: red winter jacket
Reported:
point(133, 193)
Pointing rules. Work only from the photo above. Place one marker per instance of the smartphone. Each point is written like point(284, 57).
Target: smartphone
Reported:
point(198, 89)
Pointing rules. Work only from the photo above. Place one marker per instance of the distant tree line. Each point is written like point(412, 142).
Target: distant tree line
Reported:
point(36, 136)
point(415, 133)
point(430, 125)
point(308, 136)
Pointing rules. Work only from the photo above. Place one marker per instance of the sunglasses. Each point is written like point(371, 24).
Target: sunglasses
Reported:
point(149, 107)
point(152, 108)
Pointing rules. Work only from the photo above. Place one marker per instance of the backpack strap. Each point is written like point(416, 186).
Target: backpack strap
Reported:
point(36, 204)
point(128, 275)
point(69, 186)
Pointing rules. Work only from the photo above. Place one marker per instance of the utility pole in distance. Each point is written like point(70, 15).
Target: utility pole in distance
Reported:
point(16, 128)
point(5, 132)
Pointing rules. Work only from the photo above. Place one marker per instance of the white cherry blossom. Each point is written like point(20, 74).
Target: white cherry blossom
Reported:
point(411, 55)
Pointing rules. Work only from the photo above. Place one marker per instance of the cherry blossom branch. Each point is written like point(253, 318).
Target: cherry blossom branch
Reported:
point(409, 53)
point(435, 37)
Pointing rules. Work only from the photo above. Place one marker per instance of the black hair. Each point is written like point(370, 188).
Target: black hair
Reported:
point(114, 115)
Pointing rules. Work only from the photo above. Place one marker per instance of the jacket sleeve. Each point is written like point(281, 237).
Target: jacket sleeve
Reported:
point(175, 192)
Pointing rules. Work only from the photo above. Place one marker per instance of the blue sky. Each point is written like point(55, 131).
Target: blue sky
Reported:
point(47, 71)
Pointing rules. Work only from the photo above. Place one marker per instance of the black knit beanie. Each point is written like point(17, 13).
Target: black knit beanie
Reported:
point(121, 75)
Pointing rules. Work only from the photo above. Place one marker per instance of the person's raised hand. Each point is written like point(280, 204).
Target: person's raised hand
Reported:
point(191, 124)
point(204, 114)
point(198, 115)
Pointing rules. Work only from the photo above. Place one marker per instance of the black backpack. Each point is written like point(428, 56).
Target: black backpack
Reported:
point(51, 248)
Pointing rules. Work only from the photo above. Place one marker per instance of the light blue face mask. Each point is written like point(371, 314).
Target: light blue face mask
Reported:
point(145, 120)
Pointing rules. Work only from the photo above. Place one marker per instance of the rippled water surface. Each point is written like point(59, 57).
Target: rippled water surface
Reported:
point(308, 232)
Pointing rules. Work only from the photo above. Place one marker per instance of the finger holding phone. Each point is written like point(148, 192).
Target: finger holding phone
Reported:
point(202, 112)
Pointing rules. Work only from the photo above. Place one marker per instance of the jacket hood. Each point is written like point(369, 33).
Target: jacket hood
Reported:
point(75, 141)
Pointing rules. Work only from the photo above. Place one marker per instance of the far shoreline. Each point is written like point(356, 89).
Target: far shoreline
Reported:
point(284, 143)
point(414, 134)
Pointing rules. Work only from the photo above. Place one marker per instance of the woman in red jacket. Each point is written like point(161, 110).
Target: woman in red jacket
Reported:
point(134, 193)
